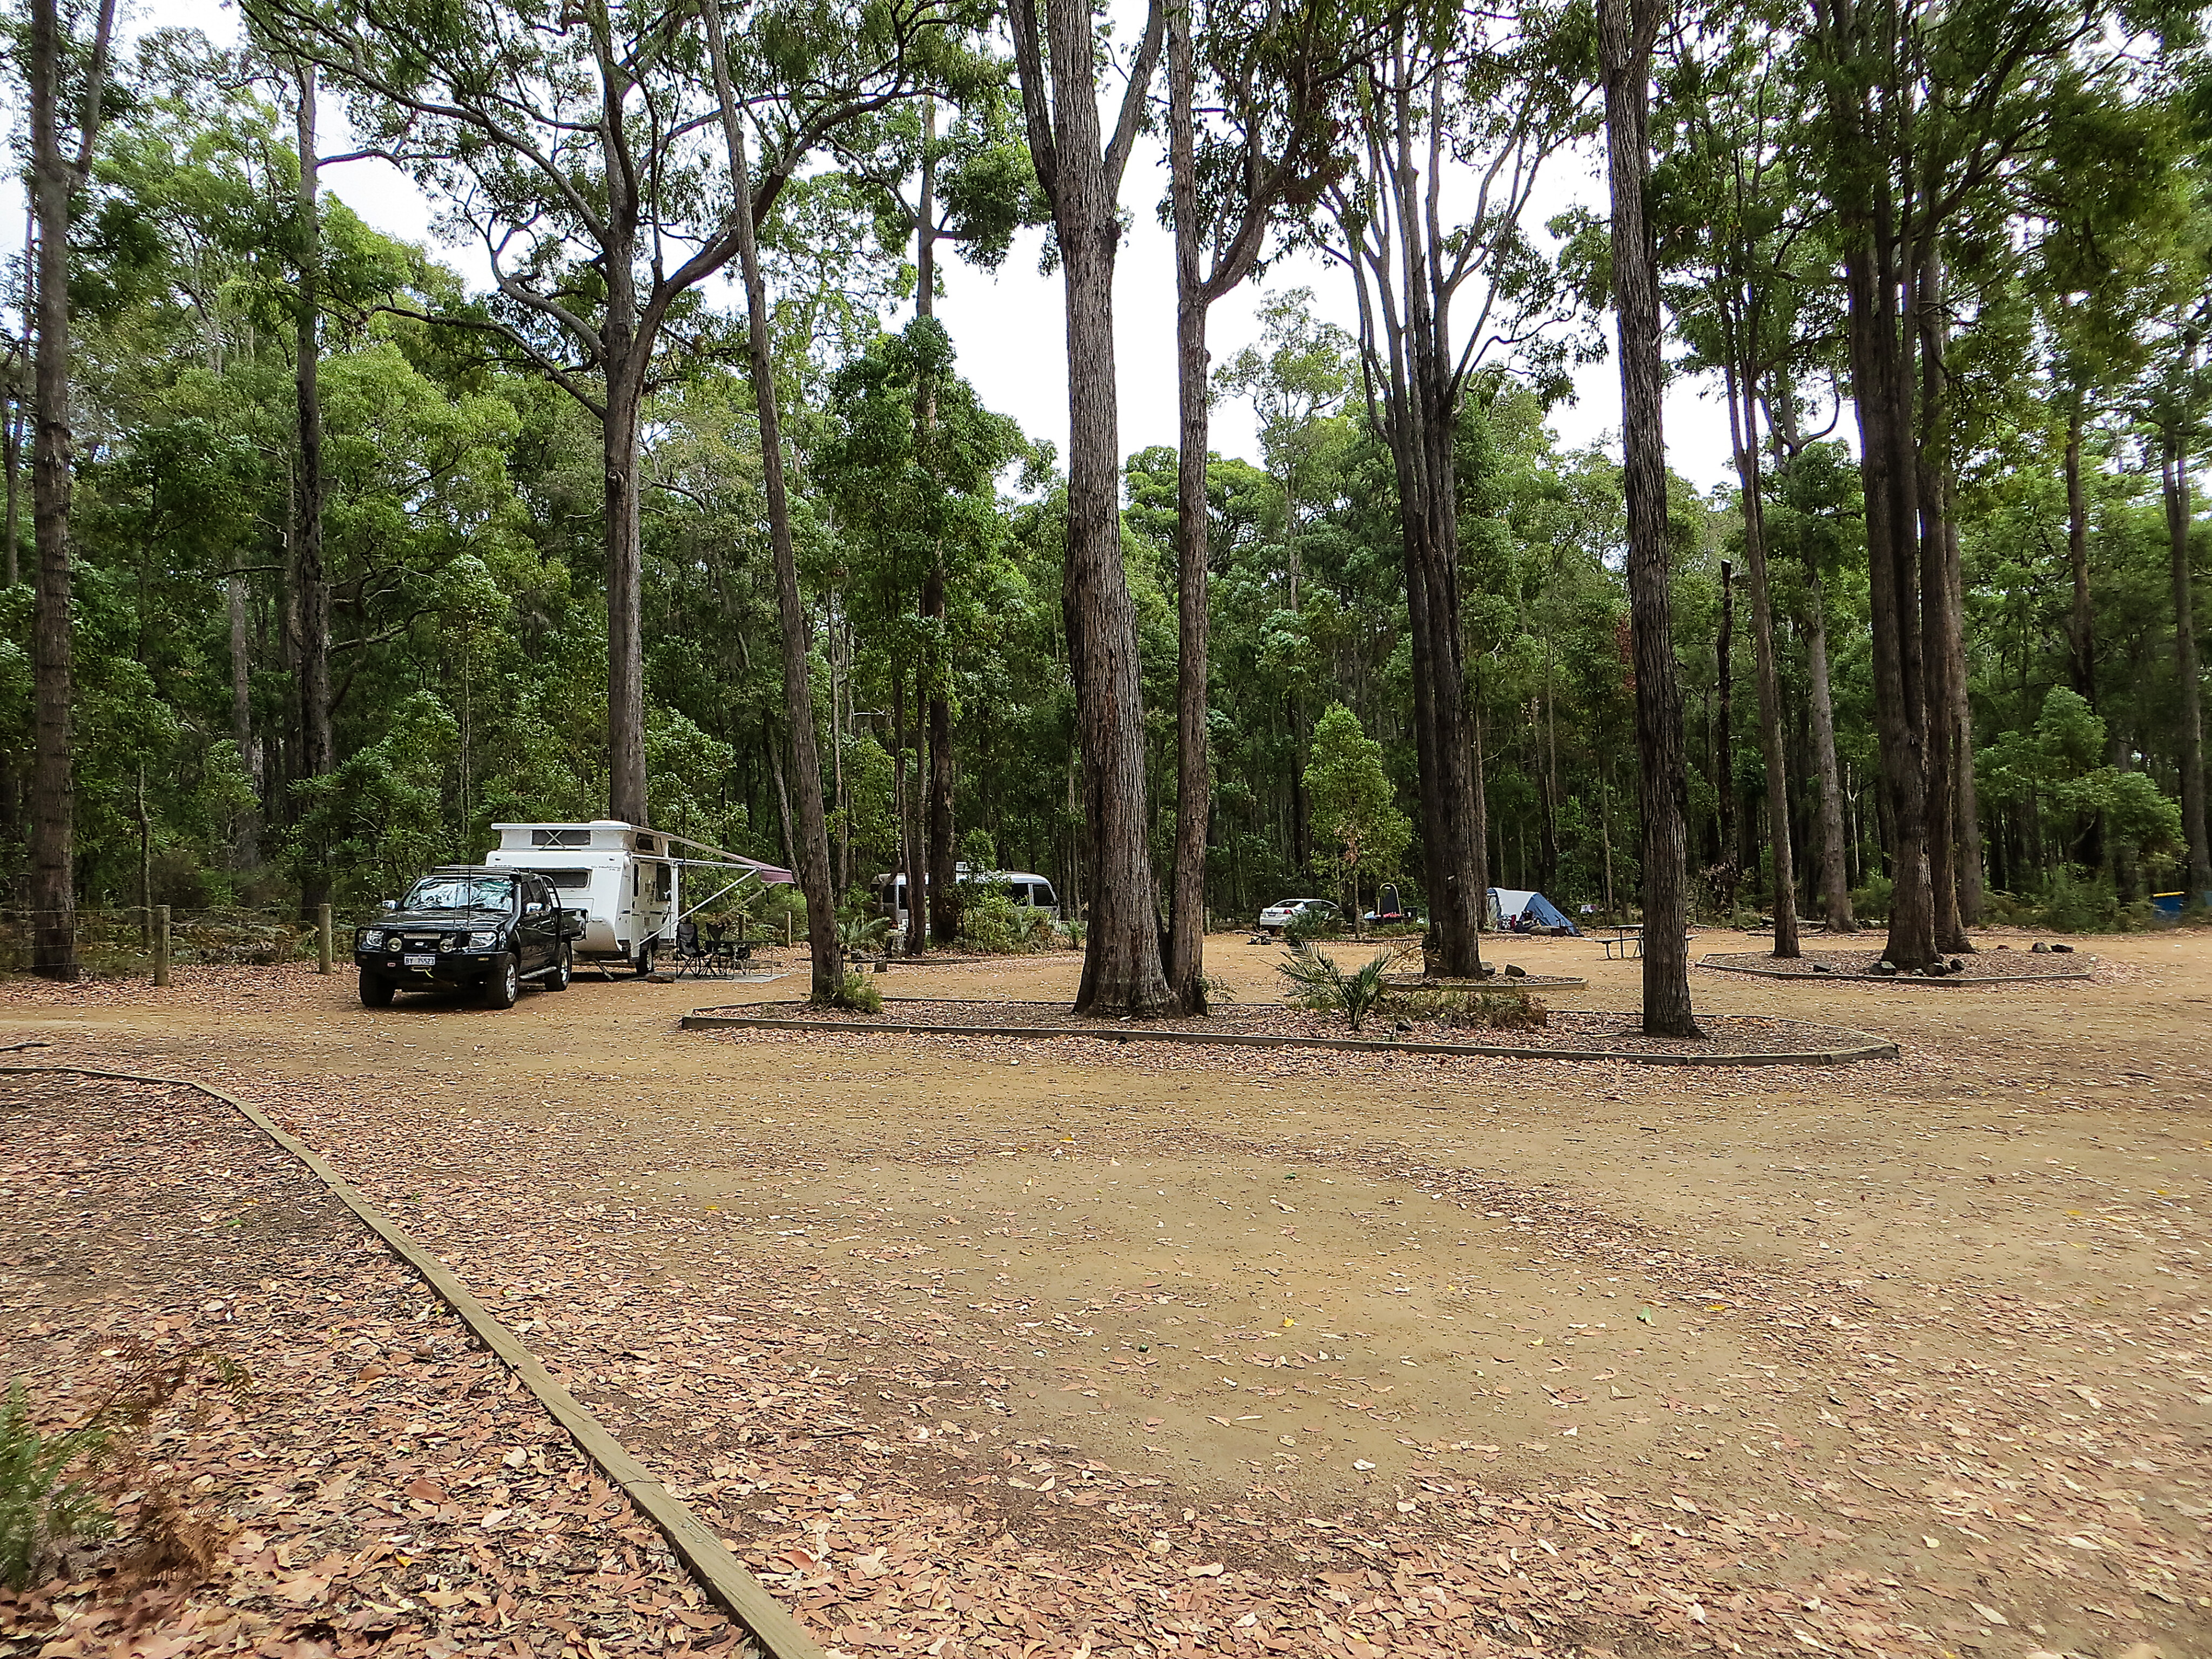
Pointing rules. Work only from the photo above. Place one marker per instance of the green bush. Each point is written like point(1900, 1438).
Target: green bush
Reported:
point(992, 924)
point(1316, 982)
point(1871, 903)
point(1306, 926)
point(856, 993)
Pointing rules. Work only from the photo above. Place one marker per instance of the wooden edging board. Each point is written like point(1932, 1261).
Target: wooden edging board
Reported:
point(1871, 1047)
point(1955, 982)
point(770, 1626)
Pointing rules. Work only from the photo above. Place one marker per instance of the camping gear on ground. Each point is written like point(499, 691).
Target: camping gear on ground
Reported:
point(1512, 910)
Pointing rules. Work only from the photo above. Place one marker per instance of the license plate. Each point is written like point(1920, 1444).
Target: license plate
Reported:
point(425, 959)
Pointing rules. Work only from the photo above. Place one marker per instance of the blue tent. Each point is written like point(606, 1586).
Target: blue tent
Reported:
point(1507, 904)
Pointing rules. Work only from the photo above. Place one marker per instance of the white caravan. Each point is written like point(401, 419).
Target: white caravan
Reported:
point(632, 883)
point(1024, 887)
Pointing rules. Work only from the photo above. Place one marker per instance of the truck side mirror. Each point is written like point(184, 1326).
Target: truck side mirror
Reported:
point(389, 904)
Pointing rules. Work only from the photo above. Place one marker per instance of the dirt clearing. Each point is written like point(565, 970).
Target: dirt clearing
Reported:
point(971, 1344)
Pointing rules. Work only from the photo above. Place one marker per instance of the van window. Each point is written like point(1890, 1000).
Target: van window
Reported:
point(560, 838)
point(568, 880)
point(664, 881)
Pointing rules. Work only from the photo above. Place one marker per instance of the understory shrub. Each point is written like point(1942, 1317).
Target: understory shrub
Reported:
point(1316, 982)
point(992, 924)
point(857, 993)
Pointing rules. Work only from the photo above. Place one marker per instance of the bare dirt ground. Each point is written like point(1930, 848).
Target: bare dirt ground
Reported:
point(981, 1345)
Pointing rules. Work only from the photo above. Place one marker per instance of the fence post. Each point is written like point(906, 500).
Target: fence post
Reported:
point(160, 944)
point(322, 939)
point(786, 930)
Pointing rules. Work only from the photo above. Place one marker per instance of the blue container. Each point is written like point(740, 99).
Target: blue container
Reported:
point(2169, 904)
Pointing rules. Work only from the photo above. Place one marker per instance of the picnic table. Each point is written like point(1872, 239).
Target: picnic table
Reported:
point(1626, 943)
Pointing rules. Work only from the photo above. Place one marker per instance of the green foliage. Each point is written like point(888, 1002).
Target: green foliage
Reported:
point(378, 818)
point(857, 993)
point(859, 936)
point(1316, 982)
point(991, 923)
point(1354, 803)
point(1308, 925)
point(45, 1496)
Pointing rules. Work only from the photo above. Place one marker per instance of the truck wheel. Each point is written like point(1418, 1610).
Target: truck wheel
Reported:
point(563, 971)
point(376, 990)
point(503, 984)
point(645, 959)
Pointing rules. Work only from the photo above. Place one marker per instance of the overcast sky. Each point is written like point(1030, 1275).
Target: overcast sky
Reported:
point(1007, 326)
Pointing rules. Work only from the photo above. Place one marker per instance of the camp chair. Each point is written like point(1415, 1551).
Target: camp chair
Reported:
point(691, 956)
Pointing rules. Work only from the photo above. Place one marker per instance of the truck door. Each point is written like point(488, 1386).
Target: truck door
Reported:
point(538, 936)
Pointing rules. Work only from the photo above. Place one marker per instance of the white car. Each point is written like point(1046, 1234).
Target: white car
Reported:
point(1276, 917)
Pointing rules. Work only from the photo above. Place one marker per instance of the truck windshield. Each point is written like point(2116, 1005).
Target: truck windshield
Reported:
point(461, 893)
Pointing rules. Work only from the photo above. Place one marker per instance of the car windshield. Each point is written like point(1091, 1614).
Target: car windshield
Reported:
point(462, 893)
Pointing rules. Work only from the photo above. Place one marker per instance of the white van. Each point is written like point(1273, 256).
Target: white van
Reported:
point(630, 881)
point(1023, 886)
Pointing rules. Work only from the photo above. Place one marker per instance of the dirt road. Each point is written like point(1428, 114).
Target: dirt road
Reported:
point(1905, 1352)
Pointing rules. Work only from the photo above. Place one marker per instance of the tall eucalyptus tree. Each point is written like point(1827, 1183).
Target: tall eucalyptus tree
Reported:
point(1496, 92)
point(1081, 177)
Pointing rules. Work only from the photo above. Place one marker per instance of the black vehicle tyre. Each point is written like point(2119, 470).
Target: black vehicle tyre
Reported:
point(376, 990)
point(563, 971)
point(645, 959)
point(503, 984)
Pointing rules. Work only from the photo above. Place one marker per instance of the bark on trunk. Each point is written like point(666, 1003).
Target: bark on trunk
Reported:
point(1186, 964)
point(943, 854)
point(1835, 870)
point(2191, 732)
point(912, 853)
point(811, 859)
point(1965, 800)
point(2081, 619)
point(1942, 652)
point(626, 783)
point(246, 850)
point(1725, 743)
point(309, 580)
point(1122, 972)
point(1769, 673)
point(1625, 31)
point(52, 888)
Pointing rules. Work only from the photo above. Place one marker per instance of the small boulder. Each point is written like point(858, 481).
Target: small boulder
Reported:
point(1957, 966)
point(1514, 970)
point(1822, 968)
point(2062, 950)
point(2040, 948)
point(1886, 968)
point(1934, 971)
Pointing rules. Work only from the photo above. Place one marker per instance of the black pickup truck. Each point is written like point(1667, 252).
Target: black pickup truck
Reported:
point(466, 927)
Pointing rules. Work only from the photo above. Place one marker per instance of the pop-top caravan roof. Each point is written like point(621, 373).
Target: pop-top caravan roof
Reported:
point(1507, 902)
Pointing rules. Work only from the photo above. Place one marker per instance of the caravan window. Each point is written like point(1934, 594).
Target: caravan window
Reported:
point(568, 880)
point(664, 881)
point(560, 838)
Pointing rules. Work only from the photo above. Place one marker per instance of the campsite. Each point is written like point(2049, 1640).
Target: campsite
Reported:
point(1105, 830)
point(1081, 1343)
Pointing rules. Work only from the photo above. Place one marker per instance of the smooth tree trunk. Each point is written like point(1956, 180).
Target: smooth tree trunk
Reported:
point(1835, 869)
point(1725, 743)
point(811, 859)
point(309, 579)
point(1626, 32)
point(1186, 964)
point(2080, 616)
point(54, 175)
point(2191, 726)
point(1123, 969)
point(943, 854)
point(1942, 650)
point(1771, 736)
point(626, 358)
point(246, 850)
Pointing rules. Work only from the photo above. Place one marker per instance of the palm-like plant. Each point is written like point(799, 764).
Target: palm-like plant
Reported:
point(1318, 983)
point(862, 936)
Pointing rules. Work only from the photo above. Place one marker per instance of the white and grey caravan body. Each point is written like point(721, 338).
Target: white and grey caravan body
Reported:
point(633, 883)
point(1025, 887)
